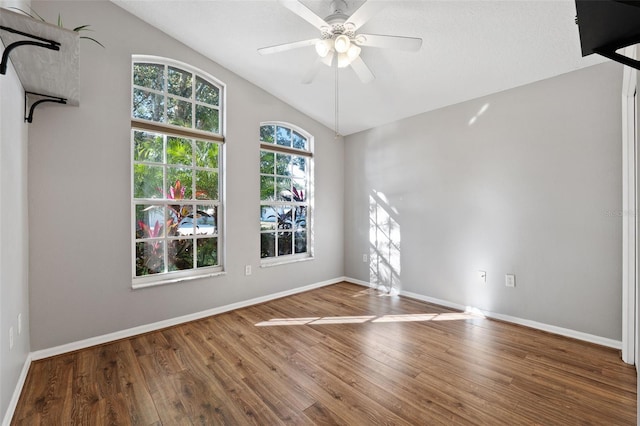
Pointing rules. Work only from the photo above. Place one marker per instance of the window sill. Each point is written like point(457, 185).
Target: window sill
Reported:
point(169, 280)
point(278, 262)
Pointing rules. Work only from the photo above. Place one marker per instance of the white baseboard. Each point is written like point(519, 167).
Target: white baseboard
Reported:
point(603, 341)
point(359, 282)
point(13, 403)
point(123, 334)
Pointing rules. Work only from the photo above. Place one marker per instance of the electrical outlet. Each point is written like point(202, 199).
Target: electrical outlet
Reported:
point(510, 280)
point(365, 258)
point(19, 324)
point(10, 338)
point(482, 277)
point(247, 270)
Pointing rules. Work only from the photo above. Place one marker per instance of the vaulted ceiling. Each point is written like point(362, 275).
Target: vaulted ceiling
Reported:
point(470, 49)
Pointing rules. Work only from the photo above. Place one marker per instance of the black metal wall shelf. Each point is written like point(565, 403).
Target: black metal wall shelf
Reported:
point(608, 25)
point(45, 58)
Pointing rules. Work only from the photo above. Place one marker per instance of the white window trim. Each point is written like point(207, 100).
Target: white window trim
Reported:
point(172, 130)
point(630, 237)
point(309, 153)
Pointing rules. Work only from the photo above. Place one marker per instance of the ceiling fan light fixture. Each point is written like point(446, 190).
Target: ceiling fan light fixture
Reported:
point(343, 60)
point(323, 47)
point(342, 43)
point(353, 52)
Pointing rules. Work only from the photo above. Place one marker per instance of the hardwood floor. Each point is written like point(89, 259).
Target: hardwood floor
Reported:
point(341, 354)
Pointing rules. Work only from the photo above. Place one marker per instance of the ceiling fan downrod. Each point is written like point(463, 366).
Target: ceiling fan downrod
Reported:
point(338, 7)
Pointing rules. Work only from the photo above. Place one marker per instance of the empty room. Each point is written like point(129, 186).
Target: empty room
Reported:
point(318, 212)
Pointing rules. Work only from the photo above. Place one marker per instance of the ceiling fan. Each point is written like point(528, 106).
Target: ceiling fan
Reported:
point(339, 38)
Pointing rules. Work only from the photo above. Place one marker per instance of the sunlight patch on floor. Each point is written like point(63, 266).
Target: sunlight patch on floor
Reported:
point(446, 316)
point(379, 291)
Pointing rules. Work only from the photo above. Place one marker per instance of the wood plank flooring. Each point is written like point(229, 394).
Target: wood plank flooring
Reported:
point(342, 354)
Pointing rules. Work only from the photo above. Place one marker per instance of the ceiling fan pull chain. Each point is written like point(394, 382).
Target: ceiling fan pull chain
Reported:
point(337, 118)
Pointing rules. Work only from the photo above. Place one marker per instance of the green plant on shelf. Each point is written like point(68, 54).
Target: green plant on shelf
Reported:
point(36, 16)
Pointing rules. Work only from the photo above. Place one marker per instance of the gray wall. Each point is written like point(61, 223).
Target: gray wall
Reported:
point(14, 288)
point(530, 186)
point(79, 192)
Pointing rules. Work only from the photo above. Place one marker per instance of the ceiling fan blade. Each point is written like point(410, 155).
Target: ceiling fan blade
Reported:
point(366, 12)
point(362, 70)
point(411, 44)
point(287, 46)
point(313, 71)
point(328, 60)
point(305, 13)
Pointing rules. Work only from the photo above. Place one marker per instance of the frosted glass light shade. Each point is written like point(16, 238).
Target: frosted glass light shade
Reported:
point(342, 43)
point(323, 47)
point(353, 52)
point(343, 60)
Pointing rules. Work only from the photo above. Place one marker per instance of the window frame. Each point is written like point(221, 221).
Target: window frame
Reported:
point(167, 131)
point(309, 155)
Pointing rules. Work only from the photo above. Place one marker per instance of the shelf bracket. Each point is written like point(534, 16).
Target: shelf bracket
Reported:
point(37, 41)
point(609, 51)
point(45, 98)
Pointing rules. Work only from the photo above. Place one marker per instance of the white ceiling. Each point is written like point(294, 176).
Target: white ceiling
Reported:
point(470, 49)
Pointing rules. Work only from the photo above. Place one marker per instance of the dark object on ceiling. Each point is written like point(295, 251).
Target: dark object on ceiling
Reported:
point(608, 25)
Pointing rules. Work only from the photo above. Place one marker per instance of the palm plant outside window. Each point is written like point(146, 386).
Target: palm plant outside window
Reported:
point(177, 143)
point(285, 193)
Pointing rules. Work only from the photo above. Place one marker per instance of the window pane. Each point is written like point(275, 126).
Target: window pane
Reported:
point(148, 106)
point(299, 141)
point(206, 220)
point(283, 136)
point(206, 185)
point(179, 183)
point(179, 151)
point(180, 220)
point(285, 243)
point(149, 75)
point(283, 190)
point(283, 161)
point(149, 258)
point(180, 254)
point(207, 119)
point(267, 134)
point(179, 112)
point(179, 82)
point(267, 188)
point(268, 245)
point(301, 217)
point(149, 221)
point(147, 181)
point(284, 216)
point(299, 166)
point(207, 252)
point(298, 190)
point(206, 92)
point(207, 154)
point(268, 218)
point(300, 242)
point(267, 162)
point(147, 147)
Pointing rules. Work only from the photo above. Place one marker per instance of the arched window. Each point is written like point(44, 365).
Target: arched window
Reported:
point(285, 193)
point(177, 171)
